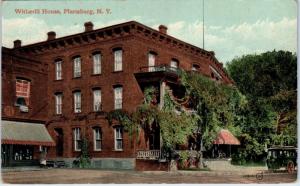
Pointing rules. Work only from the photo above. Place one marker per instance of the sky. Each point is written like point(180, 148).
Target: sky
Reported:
point(232, 28)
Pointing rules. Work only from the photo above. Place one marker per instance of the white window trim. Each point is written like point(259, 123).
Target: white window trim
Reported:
point(97, 103)
point(118, 60)
point(77, 102)
point(58, 70)
point(151, 62)
point(97, 63)
point(173, 67)
point(118, 97)
point(58, 104)
point(77, 138)
point(95, 140)
point(77, 67)
point(215, 72)
point(116, 139)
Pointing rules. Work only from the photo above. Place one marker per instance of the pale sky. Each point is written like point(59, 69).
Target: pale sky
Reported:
point(232, 27)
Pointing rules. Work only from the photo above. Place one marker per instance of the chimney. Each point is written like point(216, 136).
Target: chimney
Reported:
point(17, 43)
point(51, 35)
point(88, 26)
point(163, 29)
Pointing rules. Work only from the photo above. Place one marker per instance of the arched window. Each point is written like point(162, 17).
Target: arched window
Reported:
point(195, 68)
point(58, 103)
point(118, 55)
point(77, 101)
point(118, 96)
point(97, 133)
point(77, 66)
point(58, 69)
point(118, 138)
point(97, 99)
point(22, 92)
point(96, 63)
point(151, 61)
point(174, 64)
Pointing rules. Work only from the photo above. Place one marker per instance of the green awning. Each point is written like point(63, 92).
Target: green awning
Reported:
point(25, 133)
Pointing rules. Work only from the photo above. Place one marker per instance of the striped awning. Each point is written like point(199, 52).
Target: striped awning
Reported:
point(23, 133)
point(226, 137)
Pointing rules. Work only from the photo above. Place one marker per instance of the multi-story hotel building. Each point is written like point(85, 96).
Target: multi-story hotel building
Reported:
point(69, 84)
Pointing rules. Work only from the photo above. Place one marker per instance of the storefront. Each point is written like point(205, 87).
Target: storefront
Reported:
point(22, 143)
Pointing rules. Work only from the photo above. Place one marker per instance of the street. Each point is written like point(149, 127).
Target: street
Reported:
point(63, 176)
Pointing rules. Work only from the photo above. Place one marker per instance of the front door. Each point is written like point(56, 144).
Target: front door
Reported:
point(59, 142)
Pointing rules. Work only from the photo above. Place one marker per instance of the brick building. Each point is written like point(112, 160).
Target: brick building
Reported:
point(81, 77)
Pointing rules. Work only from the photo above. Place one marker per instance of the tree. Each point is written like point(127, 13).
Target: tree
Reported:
point(269, 82)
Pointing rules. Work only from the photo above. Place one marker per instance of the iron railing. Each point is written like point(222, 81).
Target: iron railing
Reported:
point(159, 68)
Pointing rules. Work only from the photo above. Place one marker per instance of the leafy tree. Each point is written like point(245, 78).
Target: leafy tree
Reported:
point(269, 82)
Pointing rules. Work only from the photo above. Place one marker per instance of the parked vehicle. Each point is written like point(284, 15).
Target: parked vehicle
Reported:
point(282, 157)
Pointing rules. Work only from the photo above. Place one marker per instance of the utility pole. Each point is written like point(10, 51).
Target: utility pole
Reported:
point(203, 23)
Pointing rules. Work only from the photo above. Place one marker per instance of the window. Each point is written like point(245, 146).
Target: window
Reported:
point(174, 64)
point(58, 70)
point(22, 92)
point(77, 139)
point(215, 74)
point(97, 100)
point(77, 102)
point(58, 103)
point(118, 60)
point(118, 91)
point(97, 139)
point(97, 63)
point(77, 67)
point(151, 62)
point(195, 68)
point(118, 138)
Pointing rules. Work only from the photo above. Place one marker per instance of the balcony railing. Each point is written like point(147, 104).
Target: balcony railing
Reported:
point(159, 68)
point(148, 154)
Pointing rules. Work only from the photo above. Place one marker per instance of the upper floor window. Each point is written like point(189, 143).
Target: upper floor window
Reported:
point(174, 64)
point(96, 63)
point(215, 74)
point(118, 95)
point(22, 93)
point(77, 102)
point(118, 138)
point(97, 138)
point(77, 66)
point(151, 61)
point(58, 70)
point(97, 99)
point(77, 139)
point(195, 68)
point(118, 60)
point(58, 103)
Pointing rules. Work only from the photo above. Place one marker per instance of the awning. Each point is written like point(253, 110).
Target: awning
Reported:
point(225, 137)
point(23, 133)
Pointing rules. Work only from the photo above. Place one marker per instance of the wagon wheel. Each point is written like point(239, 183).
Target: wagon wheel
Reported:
point(290, 167)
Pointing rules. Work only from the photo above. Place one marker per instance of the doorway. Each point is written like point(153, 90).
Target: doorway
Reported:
point(59, 140)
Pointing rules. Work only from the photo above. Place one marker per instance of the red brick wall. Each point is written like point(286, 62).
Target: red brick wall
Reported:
point(135, 55)
point(16, 66)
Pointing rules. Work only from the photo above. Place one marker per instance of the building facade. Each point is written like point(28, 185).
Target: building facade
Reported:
point(84, 76)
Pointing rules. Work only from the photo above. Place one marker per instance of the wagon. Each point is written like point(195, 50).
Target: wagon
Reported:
point(282, 157)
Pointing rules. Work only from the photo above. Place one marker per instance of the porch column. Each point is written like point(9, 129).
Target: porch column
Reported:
point(161, 104)
point(162, 94)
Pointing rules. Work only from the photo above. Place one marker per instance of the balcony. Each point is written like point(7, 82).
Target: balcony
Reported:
point(148, 154)
point(153, 74)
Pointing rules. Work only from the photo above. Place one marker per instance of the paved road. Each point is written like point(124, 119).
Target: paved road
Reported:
point(55, 176)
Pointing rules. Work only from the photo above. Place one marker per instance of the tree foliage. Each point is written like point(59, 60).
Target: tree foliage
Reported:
point(269, 82)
